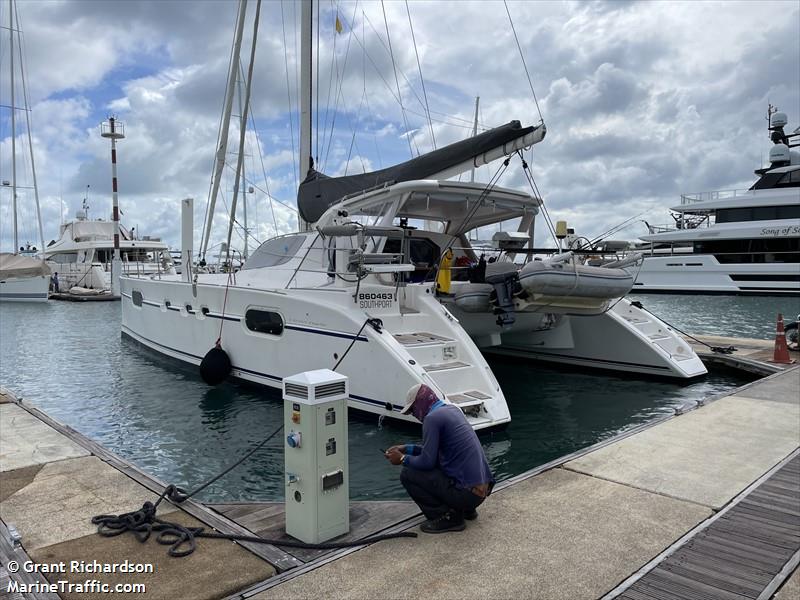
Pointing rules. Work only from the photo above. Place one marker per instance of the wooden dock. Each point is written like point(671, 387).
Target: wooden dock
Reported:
point(739, 553)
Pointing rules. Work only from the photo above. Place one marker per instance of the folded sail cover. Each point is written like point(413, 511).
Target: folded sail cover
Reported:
point(318, 191)
point(15, 266)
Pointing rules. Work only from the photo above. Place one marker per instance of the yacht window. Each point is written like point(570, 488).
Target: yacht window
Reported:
point(758, 213)
point(263, 321)
point(275, 252)
point(65, 258)
point(762, 250)
point(790, 211)
point(136, 297)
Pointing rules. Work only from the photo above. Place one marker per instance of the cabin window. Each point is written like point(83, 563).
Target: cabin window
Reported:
point(65, 258)
point(762, 250)
point(758, 213)
point(263, 321)
point(275, 252)
point(137, 298)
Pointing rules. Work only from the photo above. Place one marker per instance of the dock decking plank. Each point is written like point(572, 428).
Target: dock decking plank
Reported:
point(738, 555)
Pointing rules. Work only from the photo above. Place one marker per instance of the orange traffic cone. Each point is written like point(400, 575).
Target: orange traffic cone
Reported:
point(781, 354)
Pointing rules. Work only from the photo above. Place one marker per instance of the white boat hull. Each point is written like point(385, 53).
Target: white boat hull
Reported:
point(703, 274)
point(625, 338)
point(320, 326)
point(25, 289)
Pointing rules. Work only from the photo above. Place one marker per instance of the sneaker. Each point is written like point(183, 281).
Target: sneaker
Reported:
point(446, 522)
point(471, 515)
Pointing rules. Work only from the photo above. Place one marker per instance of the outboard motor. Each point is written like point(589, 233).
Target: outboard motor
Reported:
point(504, 278)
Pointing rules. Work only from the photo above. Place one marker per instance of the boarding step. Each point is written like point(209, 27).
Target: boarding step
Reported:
point(420, 338)
point(445, 366)
point(681, 357)
point(635, 321)
point(659, 336)
point(468, 399)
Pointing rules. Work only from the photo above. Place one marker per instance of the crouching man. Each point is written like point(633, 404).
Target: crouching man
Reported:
point(448, 476)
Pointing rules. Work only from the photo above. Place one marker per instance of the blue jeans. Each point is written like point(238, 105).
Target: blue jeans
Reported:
point(436, 494)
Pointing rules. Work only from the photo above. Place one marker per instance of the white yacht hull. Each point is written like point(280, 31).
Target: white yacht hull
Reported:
point(97, 276)
point(703, 274)
point(320, 326)
point(25, 289)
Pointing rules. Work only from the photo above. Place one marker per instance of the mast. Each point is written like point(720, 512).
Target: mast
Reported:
point(13, 131)
point(243, 126)
point(474, 133)
point(219, 162)
point(306, 57)
point(30, 146)
point(243, 130)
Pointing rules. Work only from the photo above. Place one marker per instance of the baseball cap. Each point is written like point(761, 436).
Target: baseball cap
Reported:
point(410, 398)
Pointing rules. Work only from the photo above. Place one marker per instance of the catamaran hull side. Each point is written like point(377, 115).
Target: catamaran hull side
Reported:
point(319, 328)
point(625, 338)
point(25, 289)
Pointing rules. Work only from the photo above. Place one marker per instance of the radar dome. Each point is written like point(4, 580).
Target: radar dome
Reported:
point(779, 153)
point(779, 120)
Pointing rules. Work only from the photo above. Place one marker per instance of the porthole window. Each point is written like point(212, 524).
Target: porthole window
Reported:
point(137, 298)
point(263, 321)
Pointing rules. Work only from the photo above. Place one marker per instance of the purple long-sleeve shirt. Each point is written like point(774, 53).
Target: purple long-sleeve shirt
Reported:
point(449, 442)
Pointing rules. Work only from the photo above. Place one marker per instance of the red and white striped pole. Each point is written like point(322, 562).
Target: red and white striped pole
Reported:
point(114, 131)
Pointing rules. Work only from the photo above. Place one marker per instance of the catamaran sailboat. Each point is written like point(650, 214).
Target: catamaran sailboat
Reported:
point(364, 289)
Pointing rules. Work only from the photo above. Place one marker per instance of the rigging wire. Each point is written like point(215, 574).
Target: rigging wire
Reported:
point(522, 56)
point(316, 111)
point(397, 82)
point(421, 79)
point(263, 171)
point(340, 84)
point(208, 218)
point(289, 98)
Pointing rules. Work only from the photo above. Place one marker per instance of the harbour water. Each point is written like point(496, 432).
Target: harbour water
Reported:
point(69, 360)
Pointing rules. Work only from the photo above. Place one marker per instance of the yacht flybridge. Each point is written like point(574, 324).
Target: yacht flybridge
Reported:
point(734, 242)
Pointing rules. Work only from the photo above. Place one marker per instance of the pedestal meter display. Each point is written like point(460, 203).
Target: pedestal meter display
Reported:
point(317, 481)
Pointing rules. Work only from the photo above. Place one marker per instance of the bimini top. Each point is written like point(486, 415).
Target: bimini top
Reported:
point(451, 202)
point(318, 191)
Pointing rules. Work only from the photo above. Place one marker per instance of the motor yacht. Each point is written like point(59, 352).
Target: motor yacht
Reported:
point(736, 241)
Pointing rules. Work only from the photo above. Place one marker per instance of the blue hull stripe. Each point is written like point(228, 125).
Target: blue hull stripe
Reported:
point(364, 399)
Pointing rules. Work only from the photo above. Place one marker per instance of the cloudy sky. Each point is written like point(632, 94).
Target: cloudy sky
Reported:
point(642, 101)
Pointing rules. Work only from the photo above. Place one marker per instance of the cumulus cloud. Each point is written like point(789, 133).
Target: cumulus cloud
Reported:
point(642, 101)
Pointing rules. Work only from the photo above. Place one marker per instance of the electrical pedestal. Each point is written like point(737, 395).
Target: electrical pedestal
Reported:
point(316, 471)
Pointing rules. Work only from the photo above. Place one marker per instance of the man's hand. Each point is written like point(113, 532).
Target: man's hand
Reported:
point(395, 454)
